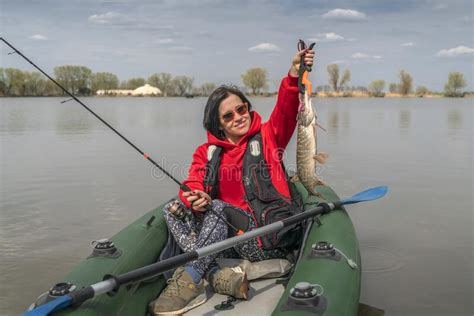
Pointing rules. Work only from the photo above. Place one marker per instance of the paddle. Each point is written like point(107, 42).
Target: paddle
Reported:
point(111, 283)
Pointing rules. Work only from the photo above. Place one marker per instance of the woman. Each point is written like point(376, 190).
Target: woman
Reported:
point(238, 182)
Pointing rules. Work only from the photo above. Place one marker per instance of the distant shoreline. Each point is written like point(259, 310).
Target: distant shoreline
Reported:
point(345, 95)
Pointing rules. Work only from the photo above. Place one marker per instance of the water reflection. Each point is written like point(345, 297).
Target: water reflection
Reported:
point(333, 125)
point(454, 119)
point(333, 119)
point(337, 122)
point(404, 119)
point(72, 123)
point(16, 121)
point(346, 119)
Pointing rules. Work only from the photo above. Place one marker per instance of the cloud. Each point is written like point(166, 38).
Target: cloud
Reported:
point(345, 15)
point(362, 56)
point(264, 47)
point(328, 37)
point(408, 44)
point(109, 18)
point(39, 37)
point(455, 52)
point(130, 23)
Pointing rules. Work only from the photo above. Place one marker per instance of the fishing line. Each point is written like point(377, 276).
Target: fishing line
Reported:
point(181, 185)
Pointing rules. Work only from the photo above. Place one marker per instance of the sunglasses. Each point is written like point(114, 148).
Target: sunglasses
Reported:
point(241, 110)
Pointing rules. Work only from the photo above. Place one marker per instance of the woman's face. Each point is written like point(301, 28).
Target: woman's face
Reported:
point(234, 118)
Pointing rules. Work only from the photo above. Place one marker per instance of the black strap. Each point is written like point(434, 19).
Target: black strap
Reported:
point(212, 172)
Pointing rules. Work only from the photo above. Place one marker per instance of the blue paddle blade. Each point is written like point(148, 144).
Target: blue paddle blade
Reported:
point(367, 195)
point(45, 309)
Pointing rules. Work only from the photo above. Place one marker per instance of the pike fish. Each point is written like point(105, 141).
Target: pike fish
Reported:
point(307, 155)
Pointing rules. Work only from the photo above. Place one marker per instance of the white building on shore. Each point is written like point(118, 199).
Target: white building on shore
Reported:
point(145, 90)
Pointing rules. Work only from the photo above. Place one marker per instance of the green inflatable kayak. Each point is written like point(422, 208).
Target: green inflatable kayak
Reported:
point(325, 279)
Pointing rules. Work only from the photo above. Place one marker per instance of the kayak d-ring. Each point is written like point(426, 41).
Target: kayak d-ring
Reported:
point(306, 297)
point(324, 250)
point(226, 305)
point(104, 248)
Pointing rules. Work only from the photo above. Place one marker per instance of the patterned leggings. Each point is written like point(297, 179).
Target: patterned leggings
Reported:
point(208, 228)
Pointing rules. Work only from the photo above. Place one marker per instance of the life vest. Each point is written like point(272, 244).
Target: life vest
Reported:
point(267, 204)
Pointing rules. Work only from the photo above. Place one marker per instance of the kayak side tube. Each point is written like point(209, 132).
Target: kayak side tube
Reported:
point(335, 273)
point(140, 244)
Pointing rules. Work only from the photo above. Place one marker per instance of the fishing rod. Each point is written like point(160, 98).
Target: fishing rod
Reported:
point(181, 185)
point(113, 283)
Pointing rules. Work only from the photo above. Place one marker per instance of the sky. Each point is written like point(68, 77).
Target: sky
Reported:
point(217, 41)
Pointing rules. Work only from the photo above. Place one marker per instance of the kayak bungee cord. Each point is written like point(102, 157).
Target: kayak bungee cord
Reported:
point(181, 185)
point(112, 283)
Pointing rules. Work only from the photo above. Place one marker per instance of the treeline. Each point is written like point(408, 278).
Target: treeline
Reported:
point(340, 85)
point(81, 81)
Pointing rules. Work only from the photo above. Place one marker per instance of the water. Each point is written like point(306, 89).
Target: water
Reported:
point(66, 180)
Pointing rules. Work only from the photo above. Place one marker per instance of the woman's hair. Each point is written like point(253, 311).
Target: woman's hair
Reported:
point(211, 112)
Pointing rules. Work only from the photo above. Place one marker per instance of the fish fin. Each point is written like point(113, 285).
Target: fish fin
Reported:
point(321, 182)
point(317, 124)
point(295, 178)
point(321, 157)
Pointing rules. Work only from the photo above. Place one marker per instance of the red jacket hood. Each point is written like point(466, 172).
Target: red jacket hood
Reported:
point(255, 126)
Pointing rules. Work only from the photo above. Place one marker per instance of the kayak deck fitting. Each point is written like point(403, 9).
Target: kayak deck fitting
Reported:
point(329, 264)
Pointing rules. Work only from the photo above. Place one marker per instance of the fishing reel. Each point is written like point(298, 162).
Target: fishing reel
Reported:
point(181, 213)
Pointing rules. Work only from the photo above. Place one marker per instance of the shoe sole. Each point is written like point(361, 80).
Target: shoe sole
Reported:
point(200, 299)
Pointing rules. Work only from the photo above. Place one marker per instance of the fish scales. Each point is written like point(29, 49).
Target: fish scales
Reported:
point(306, 147)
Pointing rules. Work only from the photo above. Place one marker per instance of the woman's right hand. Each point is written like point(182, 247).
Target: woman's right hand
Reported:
point(198, 199)
point(307, 55)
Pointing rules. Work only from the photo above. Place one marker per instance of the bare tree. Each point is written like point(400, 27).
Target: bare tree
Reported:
point(406, 83)
point(182, 85)
point(162, 81)
point(421, 91)
point(207, 88)
point(104, 81)
point(76, 79)
point(376, 88)
point(455, 82)
point(393, 88)
point(255, 79)
point(333, 72)
point(132, 84)
point(346, 77)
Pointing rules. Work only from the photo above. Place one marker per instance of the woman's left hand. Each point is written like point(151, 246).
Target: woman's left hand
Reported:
point(308, 56)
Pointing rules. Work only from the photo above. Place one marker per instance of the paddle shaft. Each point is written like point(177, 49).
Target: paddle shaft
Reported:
point(112, 283)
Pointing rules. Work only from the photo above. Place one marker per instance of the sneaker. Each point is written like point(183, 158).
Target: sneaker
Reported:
point(230, 281)
point(180, 295)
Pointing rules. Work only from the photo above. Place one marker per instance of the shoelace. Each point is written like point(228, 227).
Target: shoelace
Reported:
point(173, 285)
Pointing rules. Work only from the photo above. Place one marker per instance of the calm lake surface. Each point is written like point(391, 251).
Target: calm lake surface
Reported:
point(66, 180)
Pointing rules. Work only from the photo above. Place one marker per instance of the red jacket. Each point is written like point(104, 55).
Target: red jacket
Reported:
point(276, 133)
